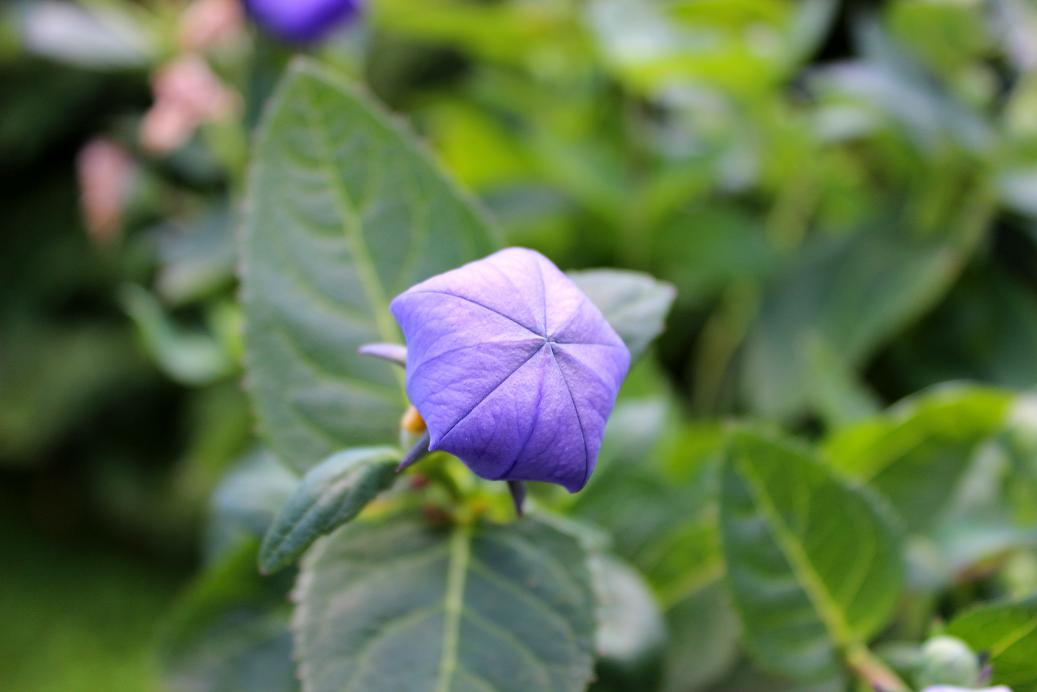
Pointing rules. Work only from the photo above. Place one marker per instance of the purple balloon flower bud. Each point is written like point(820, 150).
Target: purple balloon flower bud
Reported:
point(302, 21)
point(513, 368)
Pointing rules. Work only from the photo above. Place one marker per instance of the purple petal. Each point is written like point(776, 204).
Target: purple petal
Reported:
point(512, 367)
point(302, 21)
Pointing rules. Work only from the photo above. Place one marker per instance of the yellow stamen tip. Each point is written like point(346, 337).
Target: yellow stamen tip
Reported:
point(412, 422)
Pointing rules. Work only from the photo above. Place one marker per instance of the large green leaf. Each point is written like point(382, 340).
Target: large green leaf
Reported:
point(918, 453)
point(634, 304)
point(813, 564)
point(1007, 633)
point(329, 495)
point(405, 605)
point(344, 211)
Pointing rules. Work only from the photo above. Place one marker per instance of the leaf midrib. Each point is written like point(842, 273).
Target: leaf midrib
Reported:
point(351, 228)
point(460, 551)
point(824, 603)
point(1012, 638)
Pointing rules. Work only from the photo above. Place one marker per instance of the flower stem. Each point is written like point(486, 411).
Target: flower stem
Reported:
point(418, 452)
point(518, 495)
point(872, 671)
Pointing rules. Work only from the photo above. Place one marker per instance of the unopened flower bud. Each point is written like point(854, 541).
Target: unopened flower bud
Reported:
point(947, 661)
point(303, 21)
point(514, 370)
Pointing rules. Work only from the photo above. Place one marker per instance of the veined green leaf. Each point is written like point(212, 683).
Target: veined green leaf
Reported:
point(1007, 633)
point(405, 605)
point(634, 304)
point(814, 565)
point(344, 211)
point(330, 494)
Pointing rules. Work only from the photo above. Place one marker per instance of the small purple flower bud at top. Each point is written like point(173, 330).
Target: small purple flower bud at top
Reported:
point(302, 21)
point(514, 370)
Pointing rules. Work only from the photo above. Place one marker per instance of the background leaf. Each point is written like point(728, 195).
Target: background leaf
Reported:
point(845, 294)
point(918, 453)
point(986, 331)
point(1007, 633)
point(187, 356)
point(330, 494)
point(229, 630)
point(246, 501)
point(634, 304)
point(344, 212)
point(813, 564)
point(704, 635)
point(631, 630)
point(404, 605)
point(655, 489)
point(100, 36)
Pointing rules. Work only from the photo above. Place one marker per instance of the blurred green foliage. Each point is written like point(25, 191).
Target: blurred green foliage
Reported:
point(81, 614)
point(844, 195)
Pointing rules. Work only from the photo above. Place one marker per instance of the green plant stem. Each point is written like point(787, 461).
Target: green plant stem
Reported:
point(870, 669)
point(437, 472)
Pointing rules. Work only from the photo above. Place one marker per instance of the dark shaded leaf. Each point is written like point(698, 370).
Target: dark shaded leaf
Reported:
point(229, 631)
